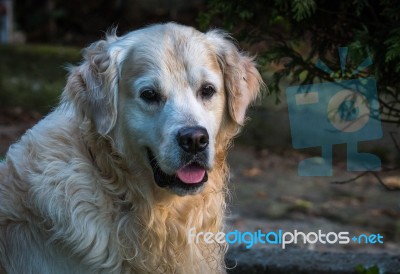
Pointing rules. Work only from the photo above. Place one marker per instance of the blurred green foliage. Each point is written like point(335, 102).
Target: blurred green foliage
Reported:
point(33, 76)
point(295, 33)
point(360, 269)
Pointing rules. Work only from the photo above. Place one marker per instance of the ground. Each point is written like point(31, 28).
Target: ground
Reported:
point(267, 194)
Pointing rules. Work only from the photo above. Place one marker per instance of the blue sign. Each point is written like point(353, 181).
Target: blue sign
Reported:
point(341, 112)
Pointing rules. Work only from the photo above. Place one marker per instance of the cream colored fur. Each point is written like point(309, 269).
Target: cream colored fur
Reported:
point(77, 194)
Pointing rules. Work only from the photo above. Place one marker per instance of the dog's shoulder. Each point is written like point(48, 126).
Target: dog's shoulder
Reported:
point(50, 179)
point(48, 158)
point(56, 134)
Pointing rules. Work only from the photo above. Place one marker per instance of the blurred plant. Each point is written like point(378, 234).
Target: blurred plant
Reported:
point(360, 269)
point(294, 33)
point(33, 76)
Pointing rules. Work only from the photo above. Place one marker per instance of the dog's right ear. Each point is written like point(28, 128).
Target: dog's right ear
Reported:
point(92, 87)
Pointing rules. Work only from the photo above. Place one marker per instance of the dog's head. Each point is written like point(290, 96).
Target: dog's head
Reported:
point(164, 94)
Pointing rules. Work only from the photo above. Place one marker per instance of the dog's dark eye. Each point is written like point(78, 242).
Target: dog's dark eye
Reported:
point(207, 91)
point(150, 96)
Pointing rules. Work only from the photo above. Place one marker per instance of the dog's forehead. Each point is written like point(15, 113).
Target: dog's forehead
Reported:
point(172, 52)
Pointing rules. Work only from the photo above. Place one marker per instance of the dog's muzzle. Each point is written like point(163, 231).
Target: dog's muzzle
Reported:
point(189, 178)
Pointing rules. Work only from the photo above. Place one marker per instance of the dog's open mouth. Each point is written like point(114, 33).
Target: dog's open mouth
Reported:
point(187, 179)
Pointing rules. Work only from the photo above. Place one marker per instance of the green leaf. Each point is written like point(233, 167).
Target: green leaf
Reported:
point(303, 9)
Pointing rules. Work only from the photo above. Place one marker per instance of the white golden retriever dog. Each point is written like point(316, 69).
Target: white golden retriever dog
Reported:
point(132, 158)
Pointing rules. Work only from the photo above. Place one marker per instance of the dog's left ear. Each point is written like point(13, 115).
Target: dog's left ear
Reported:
point(242, 79)
point(92, 87)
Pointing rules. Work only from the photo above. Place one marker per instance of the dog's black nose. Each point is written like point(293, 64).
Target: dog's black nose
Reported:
point(193, 139)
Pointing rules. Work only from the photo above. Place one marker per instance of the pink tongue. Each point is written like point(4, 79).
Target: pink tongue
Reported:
point(191, 174)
